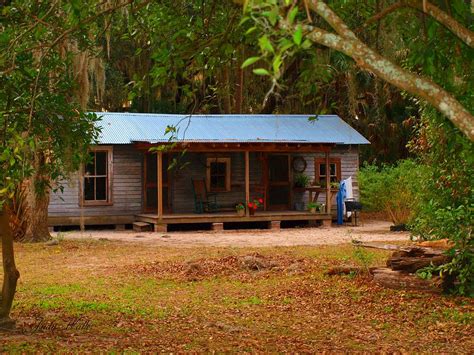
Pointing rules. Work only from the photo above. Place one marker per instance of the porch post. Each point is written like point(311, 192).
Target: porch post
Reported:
point(247, 183)
point(159, 174)
point(328, 184)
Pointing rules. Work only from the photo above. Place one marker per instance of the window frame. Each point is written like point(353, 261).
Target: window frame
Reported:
point(322, 161)
point(225, 160)
point(109, 179)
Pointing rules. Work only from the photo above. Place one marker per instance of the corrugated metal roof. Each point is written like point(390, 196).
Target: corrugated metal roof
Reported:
point(125, 128)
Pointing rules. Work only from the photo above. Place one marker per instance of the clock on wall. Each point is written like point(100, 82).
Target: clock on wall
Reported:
point(299, 164)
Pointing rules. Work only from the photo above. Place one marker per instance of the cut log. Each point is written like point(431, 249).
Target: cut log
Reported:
point(401, 281)
point(408, 250)
point(438, 244)
point(412, 264)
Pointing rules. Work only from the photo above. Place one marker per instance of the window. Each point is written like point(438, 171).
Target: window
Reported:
point(97, 176)
point(334, 170)
point(218, 174)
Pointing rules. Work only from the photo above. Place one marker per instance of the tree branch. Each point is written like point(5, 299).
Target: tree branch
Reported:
point(417, 85)
point(443, 18)
point(378, 16)
point(463, 33)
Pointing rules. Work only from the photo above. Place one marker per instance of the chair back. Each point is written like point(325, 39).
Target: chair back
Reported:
point(200, 190)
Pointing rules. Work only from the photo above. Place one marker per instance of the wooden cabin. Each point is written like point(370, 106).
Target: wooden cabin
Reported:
point(222, 159)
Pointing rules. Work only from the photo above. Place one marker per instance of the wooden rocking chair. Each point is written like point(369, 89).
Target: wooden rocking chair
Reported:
point(203, 201)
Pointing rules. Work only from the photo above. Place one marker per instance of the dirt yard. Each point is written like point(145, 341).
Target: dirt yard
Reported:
point(254, 291)
point(368, 231)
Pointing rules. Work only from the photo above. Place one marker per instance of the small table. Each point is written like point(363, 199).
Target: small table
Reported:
point(316, 190)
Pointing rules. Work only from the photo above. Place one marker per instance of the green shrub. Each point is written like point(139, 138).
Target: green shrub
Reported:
point(301, 180)
point(395, 190)
point(446, 208)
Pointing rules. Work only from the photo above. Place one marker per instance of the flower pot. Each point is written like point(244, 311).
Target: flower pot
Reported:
point(312, 210)
point(251, 211)
point(241, 212)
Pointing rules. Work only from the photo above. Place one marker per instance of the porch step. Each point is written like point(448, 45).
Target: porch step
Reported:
point(142, 227)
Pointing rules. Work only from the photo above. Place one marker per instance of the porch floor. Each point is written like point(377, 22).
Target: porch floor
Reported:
point(223, 217)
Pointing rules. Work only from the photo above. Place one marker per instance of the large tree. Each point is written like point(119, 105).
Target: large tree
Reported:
point(429, 58)
point(277, 19)
point(48, 53)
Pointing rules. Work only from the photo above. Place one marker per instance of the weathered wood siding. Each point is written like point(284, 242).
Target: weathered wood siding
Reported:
point(182, 191)
point(127, 192)
point(126, 189)
point(349, 156)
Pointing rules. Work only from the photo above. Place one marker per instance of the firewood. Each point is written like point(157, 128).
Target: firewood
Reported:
point(439, 244)
point(412, 264)
point(401, 281)
point(408, 250)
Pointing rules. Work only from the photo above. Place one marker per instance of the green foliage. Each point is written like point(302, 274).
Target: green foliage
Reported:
point(363, 257)
point(315, 205)
point(43, 129)
point(301, 180)
point(446, 208)
point(394, 190)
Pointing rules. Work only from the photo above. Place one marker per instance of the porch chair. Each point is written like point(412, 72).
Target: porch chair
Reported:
point(203, 201)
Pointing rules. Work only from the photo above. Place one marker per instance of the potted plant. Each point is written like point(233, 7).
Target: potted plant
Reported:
point(335, 185)
point(301, 180)
point(254, 204)
point(240, 209)
point(313, 207)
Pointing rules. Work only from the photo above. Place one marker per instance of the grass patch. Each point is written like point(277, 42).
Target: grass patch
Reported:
point(140, 298)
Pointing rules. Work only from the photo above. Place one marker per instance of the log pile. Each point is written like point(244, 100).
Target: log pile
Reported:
point(402, 265)
point(404, 262)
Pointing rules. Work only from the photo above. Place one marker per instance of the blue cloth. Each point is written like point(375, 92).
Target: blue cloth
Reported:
point(340, 197)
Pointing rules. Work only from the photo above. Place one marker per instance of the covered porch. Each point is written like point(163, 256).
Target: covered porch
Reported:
point(216, 221)
point(261, 170)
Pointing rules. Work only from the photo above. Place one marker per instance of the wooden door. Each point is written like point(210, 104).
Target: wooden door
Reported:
point(279, 186)
point(151, 184)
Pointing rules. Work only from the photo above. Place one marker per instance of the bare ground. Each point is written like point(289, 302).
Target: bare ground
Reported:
point(192, 292)
point(368, 231)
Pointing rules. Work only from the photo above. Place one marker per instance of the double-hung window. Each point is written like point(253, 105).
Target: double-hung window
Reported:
point(96, 186)
point(218, 174)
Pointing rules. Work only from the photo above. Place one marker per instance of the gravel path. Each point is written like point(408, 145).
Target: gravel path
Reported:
point(369, 231)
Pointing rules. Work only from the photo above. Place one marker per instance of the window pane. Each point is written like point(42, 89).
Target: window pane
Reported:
point(101, 163)
point(214, 181)
point(101, 189)
point(220, 182)
point(333, 168)
point(221, 168)
point(89, 189)
point(218, 168)
point(90, 166)
point(322, 169)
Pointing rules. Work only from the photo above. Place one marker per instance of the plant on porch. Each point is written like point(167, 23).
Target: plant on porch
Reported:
point(254, 205)
point(314, 207)
point(302, 180)
point(240, 209)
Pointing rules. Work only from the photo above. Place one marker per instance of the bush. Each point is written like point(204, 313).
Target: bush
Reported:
point(394, 190)
point(446, 208)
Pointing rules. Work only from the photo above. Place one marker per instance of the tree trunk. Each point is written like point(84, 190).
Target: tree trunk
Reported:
point(10, 273)
point(33, 213)
point(29, 217)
